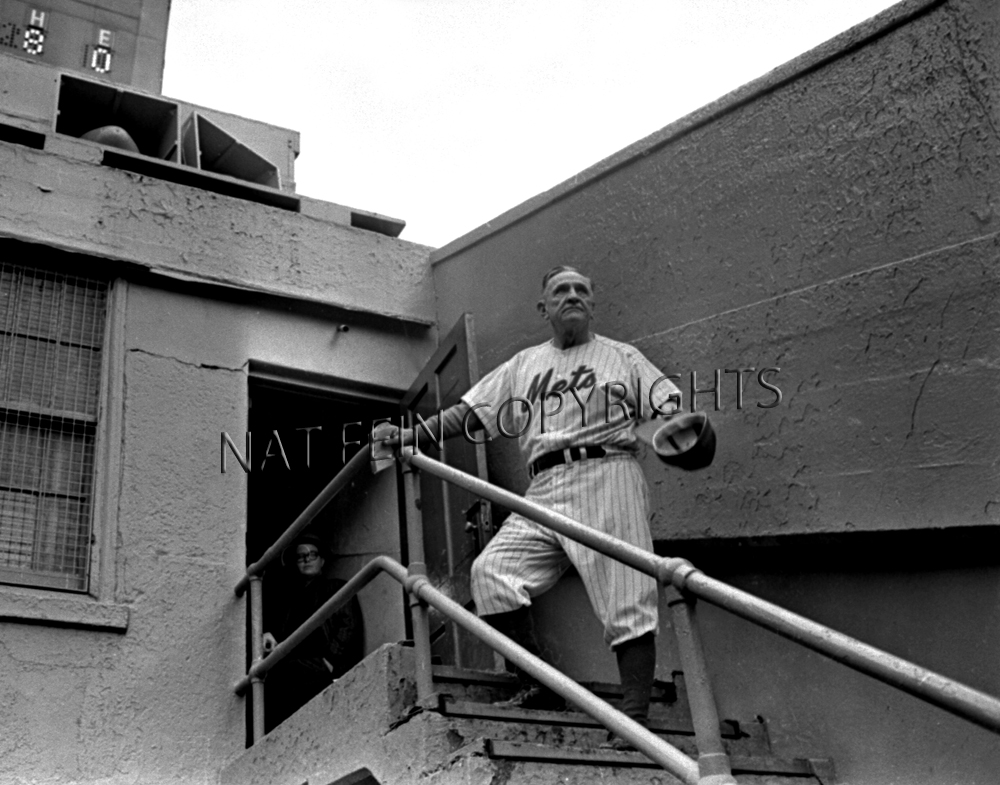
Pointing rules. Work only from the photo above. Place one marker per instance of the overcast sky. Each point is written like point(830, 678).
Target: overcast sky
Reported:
point(446, 113)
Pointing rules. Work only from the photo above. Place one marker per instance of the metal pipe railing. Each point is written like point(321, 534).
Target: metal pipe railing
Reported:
point(713, 762)
point(256, 654)
point(362, 578)
point(417, 567)
point(959, 699)
point(658, 750)
point(688, 582)
point(953, 696)
point(252, 580)
point(335, 486)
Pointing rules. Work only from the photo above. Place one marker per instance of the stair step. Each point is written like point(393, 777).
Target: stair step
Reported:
point(515, 750)
point(730, 729)
point(518, 750)
point(474, 710)
point(449, 673)
point(575, 729)
point(572, 738)
point(663, 691)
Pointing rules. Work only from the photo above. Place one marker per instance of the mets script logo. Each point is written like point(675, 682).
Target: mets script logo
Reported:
point(580, 379)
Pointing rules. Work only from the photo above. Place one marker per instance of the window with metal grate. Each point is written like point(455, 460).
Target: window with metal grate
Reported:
point(51, 334)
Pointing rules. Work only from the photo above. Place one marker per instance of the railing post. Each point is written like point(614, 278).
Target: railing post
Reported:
point(713, 762)
point(417, 566)
point(257, 654)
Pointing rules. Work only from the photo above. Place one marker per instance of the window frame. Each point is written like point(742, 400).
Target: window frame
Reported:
point(95, 607)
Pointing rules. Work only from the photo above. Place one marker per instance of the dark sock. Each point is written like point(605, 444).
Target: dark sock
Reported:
point(518, 626)
point(637, 668)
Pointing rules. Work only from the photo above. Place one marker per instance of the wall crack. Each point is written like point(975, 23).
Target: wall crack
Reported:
point(916, 403)
point(205, 366)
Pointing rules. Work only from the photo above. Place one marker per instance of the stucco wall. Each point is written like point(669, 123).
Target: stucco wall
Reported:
point(152, 702)
point(64, 198)
point(155, 704)
point(227, 338)
point(835, 220)
point(133, 682)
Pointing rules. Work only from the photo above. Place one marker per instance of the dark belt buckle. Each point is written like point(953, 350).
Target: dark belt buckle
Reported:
point(558, 458)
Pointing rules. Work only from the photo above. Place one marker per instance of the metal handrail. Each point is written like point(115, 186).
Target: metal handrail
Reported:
point(335, 486)
point(362, 578)
point(658, 750)
point(681, 575)
point(953, 696)
point(252, 579)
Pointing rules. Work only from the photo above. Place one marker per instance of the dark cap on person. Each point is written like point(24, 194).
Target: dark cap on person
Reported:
point(288, 555)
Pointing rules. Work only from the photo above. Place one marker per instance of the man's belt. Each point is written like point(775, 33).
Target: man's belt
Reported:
point(566, 455)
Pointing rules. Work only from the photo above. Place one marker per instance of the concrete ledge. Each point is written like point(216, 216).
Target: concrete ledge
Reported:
point(325, 211)
point(360, 722)
point(63, 198)
point(36, 607)
point(955, 548)
point(837, 47)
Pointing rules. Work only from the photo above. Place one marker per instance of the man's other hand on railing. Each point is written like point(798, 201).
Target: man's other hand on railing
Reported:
point(446, 424)
point(385, 439)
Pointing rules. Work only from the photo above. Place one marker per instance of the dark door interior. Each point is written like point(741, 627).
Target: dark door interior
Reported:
point(292, 467)
point(298, 447)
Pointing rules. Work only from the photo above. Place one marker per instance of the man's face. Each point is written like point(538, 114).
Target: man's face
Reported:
point(568, 301)
point(308, 560)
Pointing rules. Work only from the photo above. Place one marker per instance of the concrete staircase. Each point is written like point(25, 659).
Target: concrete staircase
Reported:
point(366, 728)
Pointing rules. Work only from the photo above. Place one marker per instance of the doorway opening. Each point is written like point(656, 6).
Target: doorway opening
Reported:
point(301, 435)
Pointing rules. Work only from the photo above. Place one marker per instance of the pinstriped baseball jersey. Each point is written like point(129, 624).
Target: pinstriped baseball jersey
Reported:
point(578, 396)
point(609, 494)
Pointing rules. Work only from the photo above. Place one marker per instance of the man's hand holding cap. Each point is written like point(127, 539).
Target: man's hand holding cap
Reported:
point(685, 440)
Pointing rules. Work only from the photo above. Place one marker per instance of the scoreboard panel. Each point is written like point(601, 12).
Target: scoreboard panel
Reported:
point(97, 39)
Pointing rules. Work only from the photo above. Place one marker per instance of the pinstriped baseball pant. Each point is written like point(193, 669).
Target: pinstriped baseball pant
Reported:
point(525, 559)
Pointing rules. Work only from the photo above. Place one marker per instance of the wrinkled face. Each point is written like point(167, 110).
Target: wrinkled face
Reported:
point(308, 560)
point(568, 301)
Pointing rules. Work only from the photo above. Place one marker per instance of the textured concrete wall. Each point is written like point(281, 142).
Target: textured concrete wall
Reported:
point(64, 198)
point(134, 684)
point(229, 336)
point(155, 704)
point(837, 219)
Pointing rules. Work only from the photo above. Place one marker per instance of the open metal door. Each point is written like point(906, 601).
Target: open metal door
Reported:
point(456, 524)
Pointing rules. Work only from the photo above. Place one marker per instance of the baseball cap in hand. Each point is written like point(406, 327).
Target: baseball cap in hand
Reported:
point(686, 441)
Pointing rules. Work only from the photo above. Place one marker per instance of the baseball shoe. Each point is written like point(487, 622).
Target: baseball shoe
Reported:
point(536, 697)
point(617, 743)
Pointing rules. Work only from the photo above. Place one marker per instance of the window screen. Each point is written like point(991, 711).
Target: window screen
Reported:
point(51, 330)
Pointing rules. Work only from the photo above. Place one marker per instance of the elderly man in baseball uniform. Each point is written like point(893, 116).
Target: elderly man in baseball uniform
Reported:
point(586, 394)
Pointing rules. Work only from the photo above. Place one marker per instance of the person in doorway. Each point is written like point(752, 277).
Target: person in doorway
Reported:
point(582, 463)
point(328, 653)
